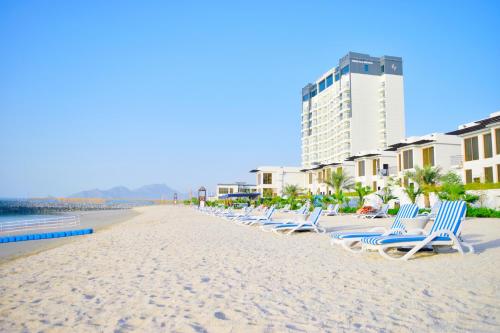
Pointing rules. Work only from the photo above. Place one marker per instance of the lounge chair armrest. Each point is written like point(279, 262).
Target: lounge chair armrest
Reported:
point(394, 231)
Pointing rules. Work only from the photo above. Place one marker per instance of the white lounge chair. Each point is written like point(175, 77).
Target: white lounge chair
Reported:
point(382, 212)
point(332, 210)
point(311, 224)
point(432, 214)
point(249, 220)
point(445, 232)
point(349, 240)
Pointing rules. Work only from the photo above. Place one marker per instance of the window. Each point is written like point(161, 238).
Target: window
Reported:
point(259, 178)
point(488, 175)
point(471, 149)
point(408, 159)
point(305, 98)
point(366, 68)
point(320, 177)
point(267, 192)
point(337, 77)
point(329, 80)
point(488, 148)
point(498, 173)
point(374, 186)
point(268, 178)
point(399, 162)
point(322, 85)
point(428, 156)
point(231, 190)
point(497, 140)
point(328, 174)
point(382, 68)
point(468, 176)
point(361, 168)
point(310, 178)
point(223, 190)
point(345, 70)
point(375, 166)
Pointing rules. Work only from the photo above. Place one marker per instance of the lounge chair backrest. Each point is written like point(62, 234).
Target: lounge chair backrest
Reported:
point(269, 212)
point(435, 208)
point(384, 209)
point(329, 207)
point(449, 217)
point(407, 211)
point(314, 216)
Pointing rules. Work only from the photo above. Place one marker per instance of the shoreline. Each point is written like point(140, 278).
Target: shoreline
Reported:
point(97, 220)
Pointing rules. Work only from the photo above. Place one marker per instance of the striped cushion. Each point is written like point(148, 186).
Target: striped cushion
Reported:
point(348, 235)
point(406, 211)
point(398, 239)
point(449, 216)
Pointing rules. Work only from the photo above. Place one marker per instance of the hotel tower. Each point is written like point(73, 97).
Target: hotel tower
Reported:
point(356, 106)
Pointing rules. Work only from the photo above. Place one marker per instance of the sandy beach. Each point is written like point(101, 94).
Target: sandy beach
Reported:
point(173, 269)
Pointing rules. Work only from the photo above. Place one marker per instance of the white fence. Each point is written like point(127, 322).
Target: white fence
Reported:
point(39, 224)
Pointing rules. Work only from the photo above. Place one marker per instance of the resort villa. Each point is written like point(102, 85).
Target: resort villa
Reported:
point(429, 150)
point(237, 187)
point(481, 149)
point(315, 177)
point(271, 180)
point(373, 168)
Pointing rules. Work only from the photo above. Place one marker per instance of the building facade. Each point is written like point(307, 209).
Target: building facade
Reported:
point(373, 168)
point(481, 150)
point(237, 187)
point(435, 149)
point(358, 105)
point(272, 180)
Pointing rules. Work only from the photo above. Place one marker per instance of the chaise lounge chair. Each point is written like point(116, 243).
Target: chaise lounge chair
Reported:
point(249, 220)
point(311, 224)
point(382, 212)
point(332, 210)
point(349, 240)
point(445, 232)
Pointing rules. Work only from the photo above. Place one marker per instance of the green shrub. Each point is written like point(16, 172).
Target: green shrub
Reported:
point(348, 210)
point(482, 186)
point(393, 211)
point(482, 212)
point(186, 202)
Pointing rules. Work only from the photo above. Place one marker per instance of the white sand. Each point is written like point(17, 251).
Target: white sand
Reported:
point(174, 269)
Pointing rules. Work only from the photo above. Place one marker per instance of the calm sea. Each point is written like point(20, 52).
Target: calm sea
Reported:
point(13, 217)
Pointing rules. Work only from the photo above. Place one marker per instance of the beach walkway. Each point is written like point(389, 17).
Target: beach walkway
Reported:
point(174, 269)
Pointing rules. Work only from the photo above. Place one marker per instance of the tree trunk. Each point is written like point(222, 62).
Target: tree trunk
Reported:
point(427, 200)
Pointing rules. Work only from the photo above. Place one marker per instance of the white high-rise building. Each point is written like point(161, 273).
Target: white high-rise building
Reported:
point(356, 106)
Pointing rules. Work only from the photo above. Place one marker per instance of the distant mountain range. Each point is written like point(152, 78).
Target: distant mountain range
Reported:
point(154, 191)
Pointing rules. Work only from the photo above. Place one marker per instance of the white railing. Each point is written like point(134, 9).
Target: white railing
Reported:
point(39, 224)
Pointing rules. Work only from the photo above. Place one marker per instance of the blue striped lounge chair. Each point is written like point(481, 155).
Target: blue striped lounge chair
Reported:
point(445, 232)
point(351, 240)
point(311, 224)
point(250, 220)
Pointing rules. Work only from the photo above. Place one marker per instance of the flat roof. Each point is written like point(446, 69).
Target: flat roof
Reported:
point(355, 157)
point(476, 126)
point(396, 146)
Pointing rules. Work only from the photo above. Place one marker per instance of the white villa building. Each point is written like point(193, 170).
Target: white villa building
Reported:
point(357, 105)
point(314, 177)
point(237, 187)
point(435, 149)
point(373, 168)
point(271, 180)
point(481, 149)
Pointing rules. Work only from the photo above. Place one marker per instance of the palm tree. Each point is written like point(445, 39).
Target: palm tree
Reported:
point(292, 191)
point(413, 192)
point(340, 181)
point(426, 179)
point(362, 192)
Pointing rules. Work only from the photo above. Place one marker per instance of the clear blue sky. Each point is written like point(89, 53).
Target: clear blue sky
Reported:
point(103, 93)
